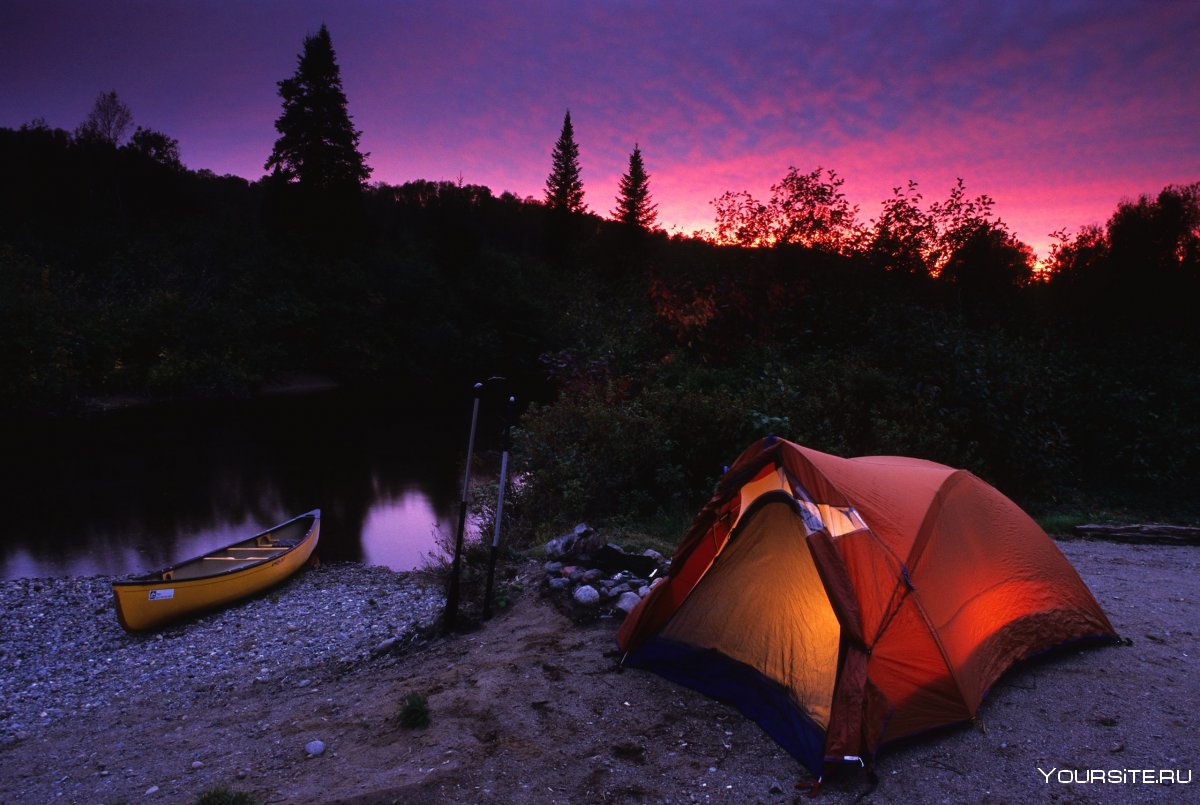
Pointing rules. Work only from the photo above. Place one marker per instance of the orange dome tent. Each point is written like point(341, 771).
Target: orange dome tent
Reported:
point(843, 603)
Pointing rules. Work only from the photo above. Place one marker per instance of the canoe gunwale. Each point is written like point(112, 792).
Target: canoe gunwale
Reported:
point(155, 577)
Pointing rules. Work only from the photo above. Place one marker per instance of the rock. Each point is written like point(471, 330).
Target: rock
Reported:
point(643, 591)
point(553, 567)
point(314, 748)
point(197, 765)
point(560, 583)
point(627, 602)
point(152, 790)
point(589, 542)
point(587, 595)
point(583, 540)
point(592, 576)
point(655, 555)
point(385, 647)
point(560, 546)
point(577, 541)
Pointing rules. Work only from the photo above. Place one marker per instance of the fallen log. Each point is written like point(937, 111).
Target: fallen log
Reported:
point(1141, 533)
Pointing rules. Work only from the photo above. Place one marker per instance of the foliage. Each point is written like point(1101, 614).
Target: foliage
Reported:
point(1140, 272)
point(634, 207)
point(564, 187)
point(598, 454)
point(414, 713)
point(156, 146)
point(959, 219)
point(904, 238)
point(808, 209)
point(650, 363)
point(1161, 236)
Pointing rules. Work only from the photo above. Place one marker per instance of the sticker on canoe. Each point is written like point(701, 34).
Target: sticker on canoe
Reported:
point(159, 595)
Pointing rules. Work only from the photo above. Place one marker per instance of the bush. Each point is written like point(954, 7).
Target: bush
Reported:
point(593, 455)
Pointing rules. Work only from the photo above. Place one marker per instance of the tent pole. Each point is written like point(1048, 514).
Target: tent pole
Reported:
point(450, 617)
point(506, 441)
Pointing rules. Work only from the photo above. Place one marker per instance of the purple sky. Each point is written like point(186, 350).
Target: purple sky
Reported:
point(1058, 110)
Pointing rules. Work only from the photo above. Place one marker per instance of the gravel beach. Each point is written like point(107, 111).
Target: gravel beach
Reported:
point(64, 655)
point(295, 696)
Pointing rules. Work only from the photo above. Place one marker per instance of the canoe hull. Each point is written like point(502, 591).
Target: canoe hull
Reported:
point(189, 588)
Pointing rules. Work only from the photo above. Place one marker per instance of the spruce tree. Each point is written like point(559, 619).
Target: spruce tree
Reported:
point(633, 203)
point(318, 144)
point(564, 188)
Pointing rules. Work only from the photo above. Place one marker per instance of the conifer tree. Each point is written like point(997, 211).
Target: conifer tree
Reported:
point(633, 203)
point(318, 144)
point(564, 188)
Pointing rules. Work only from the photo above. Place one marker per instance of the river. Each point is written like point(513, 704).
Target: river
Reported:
point(137, 489)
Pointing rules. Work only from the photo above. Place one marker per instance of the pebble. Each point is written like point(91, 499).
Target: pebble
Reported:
point(61, 644)
point(314, 748)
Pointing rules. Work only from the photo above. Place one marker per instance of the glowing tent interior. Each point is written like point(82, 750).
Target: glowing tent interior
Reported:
point(843, 603)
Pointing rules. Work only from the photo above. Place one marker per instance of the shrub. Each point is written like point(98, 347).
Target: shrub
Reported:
point(595, 454)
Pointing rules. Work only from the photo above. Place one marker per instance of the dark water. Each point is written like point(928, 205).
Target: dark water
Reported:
point(138, 489)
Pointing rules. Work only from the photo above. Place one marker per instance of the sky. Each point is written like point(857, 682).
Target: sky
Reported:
point(1056, 110)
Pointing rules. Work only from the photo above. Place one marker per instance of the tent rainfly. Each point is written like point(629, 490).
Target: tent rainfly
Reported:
point(844, 603)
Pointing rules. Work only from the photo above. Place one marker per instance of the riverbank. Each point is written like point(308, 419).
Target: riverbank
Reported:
point(532, 707)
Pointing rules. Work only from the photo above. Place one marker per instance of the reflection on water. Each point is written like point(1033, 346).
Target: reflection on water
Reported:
point(137, 490)
point(390, 535)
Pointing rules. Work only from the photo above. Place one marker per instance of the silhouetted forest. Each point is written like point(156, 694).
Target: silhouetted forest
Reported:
point(650, 361)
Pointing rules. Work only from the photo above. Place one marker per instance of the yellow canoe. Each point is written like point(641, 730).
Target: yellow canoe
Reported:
point(218, 577)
